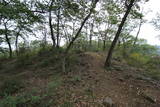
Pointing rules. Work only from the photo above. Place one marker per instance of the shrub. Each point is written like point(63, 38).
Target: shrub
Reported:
point(10, 86)
point(23, 60)
point(76, 78)
point(153, 74)
point(53, 85)
point(137, 59)
point(67, 104)
point(154, 63)
point(21, 101)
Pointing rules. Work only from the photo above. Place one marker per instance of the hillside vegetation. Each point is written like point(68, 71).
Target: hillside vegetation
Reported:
point(77, 53)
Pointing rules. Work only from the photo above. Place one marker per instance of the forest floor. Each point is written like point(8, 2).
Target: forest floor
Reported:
point(90, 85)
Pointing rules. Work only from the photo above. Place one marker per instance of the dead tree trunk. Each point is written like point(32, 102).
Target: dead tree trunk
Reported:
point(109, 56)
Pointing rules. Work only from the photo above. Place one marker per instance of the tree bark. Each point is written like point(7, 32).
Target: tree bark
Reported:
point(91, 34)
point(8, 41)
point(58, 20)
point(16, 44)
point(109, 56)
point(50, 24)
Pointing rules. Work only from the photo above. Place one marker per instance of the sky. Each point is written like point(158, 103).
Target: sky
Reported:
point(148, 31)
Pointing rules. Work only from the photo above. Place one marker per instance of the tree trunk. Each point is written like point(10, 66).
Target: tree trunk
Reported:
point(58, 20)
point(109, 56)
point(139, 29)
point(16, 45)
point(91, 34)
point(16, 42)
point(84, 21)
point(104, 40)
point(8, 41)
point(77, 35)
point(50, 24)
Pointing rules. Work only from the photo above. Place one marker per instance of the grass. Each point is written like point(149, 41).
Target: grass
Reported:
point(153, 74)
point(10, 86)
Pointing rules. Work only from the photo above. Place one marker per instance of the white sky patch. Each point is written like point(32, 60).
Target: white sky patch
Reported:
point(148, 31)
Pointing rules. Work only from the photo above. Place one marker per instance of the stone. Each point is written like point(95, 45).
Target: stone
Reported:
point(107, 102)
point(149, 97)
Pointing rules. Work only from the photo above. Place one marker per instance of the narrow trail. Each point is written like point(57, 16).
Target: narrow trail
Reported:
point(122, 86)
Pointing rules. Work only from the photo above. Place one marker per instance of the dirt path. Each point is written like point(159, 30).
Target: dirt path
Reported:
point(121, 86)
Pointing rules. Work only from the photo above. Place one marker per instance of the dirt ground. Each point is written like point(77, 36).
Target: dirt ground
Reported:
point(123, 85)
point(91, 85)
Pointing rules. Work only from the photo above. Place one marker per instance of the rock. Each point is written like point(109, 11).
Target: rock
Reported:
point(128, 76)
point(140, 77)
point(149, 97)
point(121, 79)
point(107, 102)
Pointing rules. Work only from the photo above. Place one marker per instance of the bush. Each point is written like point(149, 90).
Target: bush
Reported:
point(153, 74)
point(67, 104)
point(76, 78)
point(137, 59)
point(10, 86)
point(154, 63)
point(23, 60)
point(21, 101)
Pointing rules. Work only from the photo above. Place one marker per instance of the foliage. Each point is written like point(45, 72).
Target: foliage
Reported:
point(76, 78)
point(153, 74)
point(137, 59)
point(145, 49)
point(23, 60)
point(67, 104)
point(33, 98)
point(21, 101)
point(10, 86)
point(54, 85)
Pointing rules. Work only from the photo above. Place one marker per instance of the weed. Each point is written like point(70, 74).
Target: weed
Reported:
point(10, 86)
point(138, 60)
point(23, 60)
point(53, 85)
point(76, 78)
point(154, 74)
point(67, 104)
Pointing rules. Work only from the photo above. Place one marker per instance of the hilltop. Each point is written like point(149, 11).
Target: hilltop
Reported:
point(86, 83)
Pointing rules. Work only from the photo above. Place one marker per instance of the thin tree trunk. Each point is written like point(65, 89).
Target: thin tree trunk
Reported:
point(84, 21)
point(8, 41)
point(91, 34)
point(58, 20)
point(77, 35)
point(50, 24)
point(105, 37)
point(104, 41)
point(16, 42)
point(109, 56)
point(139, 29)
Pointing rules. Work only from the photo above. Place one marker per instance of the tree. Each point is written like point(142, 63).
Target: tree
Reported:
point(109, 56)
point(16, 16)
point(82, 24)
